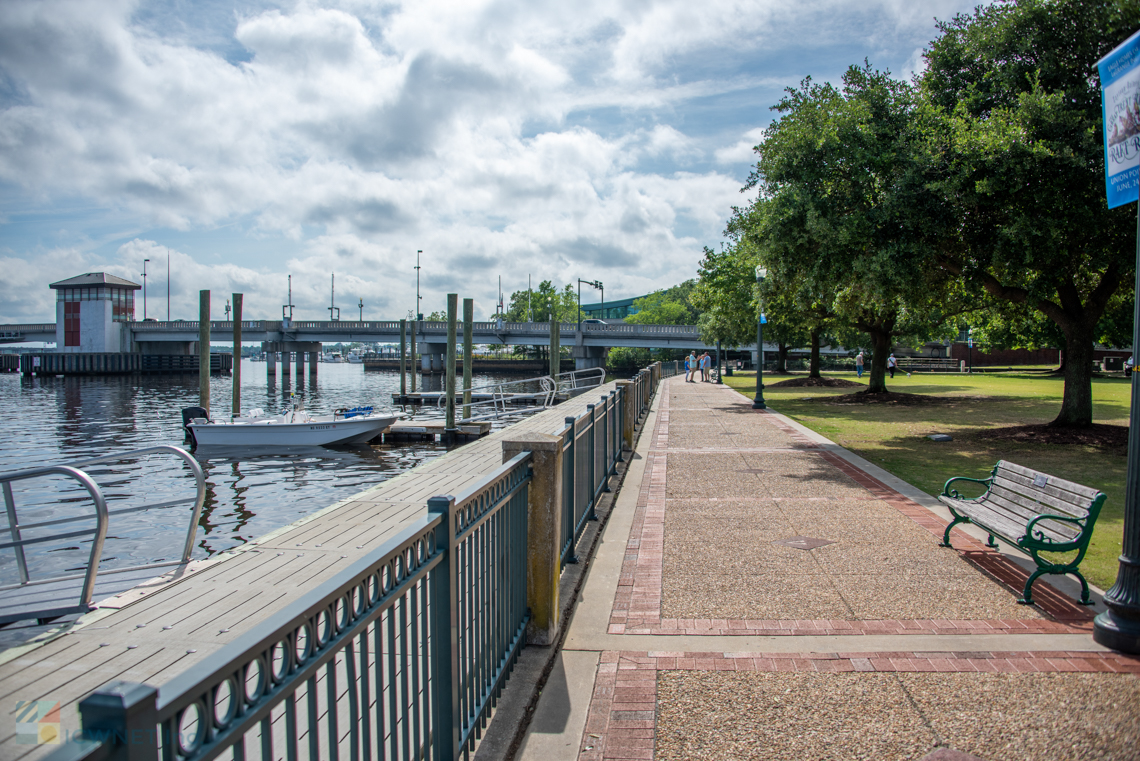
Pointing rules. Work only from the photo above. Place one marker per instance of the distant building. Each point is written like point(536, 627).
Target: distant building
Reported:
point(611, 310)
point(90, 311)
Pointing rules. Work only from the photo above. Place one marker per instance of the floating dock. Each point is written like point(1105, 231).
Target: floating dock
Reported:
point(433, 397)
point(418, 430)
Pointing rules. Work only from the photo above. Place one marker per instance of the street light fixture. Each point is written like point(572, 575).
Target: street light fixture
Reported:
point(758, 402)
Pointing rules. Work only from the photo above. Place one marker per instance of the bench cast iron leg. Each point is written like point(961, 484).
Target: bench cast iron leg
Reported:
point(1027, 595)
point(953, 523)
point(1084, 588)
point(991, 543)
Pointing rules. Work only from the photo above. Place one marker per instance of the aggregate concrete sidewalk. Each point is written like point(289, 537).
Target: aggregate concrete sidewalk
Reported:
point(760, 593)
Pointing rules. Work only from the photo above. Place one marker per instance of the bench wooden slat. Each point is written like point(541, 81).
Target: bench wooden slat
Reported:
point(1060, 484)
point(1026, 486)
point(992, 520)
point(1051, 529)
point(1039, 502)
point(1027, 506)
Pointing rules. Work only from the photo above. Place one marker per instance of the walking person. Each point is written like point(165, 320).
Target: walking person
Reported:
point(859, 364)
point(892, 365)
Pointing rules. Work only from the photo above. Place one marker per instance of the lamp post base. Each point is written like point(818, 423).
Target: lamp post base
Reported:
point(1116, 632)
point(758, 404)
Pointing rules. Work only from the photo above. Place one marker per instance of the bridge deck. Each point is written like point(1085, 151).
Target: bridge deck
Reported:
point(159, 629)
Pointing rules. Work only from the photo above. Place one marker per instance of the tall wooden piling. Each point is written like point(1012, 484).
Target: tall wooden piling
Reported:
point(204, 351)
point(555, 349)
point(413, 348)
point(403, 358)
point(468, 353)
point(237, 355)
point(449, 389)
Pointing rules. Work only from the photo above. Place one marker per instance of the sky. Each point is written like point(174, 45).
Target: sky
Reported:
point(246, 141)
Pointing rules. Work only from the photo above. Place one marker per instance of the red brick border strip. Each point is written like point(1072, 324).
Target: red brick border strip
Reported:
point(637, 601)
point(622, 718)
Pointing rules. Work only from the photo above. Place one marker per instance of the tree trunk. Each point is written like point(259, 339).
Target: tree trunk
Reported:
point(1076, 405)
point(782, 358)
point(813, 363)
point(881, 349)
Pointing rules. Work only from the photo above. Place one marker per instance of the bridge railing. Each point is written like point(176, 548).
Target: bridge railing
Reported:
point(400, 656)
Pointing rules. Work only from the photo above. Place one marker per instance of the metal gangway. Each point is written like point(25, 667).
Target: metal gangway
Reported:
point(517, 398)
point(53, 596)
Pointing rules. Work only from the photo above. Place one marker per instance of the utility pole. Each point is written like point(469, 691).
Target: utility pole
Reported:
point(419, 314)
point(144, 288)
point(332, 301)
point(288, 306)
point(227, 310)
point(168, 286)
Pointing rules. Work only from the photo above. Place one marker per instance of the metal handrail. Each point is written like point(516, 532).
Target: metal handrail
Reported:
point(102, 517)
point(500, 398)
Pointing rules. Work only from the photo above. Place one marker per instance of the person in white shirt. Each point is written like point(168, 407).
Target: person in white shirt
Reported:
point(892, 365)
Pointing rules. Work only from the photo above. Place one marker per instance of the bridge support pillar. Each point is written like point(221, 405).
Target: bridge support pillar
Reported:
point(300, 364)
point(587, 357)
point(286, 362)
point(270, 363)
point(432, 357)
point(313, 362)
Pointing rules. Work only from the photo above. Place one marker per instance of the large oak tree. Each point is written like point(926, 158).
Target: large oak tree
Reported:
point(1010, 110)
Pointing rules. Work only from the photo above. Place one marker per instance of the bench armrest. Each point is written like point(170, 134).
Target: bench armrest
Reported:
point(953, 493)
point(1044, 517)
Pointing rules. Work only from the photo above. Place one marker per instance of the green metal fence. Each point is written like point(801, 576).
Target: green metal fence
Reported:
point(401, 656)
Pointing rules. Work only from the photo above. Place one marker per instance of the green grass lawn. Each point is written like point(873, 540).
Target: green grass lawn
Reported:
point(894, 436)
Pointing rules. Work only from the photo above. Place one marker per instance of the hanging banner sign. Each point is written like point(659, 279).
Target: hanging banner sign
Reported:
point(1120, 102)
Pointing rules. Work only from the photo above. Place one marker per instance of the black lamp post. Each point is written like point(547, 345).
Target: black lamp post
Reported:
point(1119, 626)
point(758, 402)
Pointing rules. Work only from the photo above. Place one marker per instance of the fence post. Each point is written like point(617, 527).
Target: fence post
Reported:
point(570, 507)
point(607, 437)
point(124, 717)
point(444, 625)
point(592, 453)
point(544, 531)
point(629, 410)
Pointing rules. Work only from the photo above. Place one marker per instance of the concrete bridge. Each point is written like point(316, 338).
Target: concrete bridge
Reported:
point(299, 337)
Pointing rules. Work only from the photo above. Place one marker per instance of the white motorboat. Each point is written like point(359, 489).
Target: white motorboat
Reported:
point(296, 428)
point(354, 358)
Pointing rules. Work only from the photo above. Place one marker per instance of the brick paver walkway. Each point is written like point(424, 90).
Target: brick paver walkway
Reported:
point(746, 528)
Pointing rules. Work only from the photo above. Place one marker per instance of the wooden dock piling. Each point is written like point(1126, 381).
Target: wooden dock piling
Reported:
point(237, 355)
point(204, 350)
point(449, 380)
point(468, 353)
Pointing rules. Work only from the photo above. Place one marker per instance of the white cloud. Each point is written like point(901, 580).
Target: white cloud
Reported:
point(546, 138)
point(743, 150)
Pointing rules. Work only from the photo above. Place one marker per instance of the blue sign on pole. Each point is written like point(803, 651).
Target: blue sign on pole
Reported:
point(1120, 103)
point(763, 319)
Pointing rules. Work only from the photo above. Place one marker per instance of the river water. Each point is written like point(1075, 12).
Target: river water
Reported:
point(60, 420)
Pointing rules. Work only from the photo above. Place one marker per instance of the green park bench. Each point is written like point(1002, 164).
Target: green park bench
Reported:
point(1032, 511)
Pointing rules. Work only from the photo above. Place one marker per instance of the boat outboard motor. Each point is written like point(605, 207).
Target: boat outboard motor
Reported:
point(189, 413)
